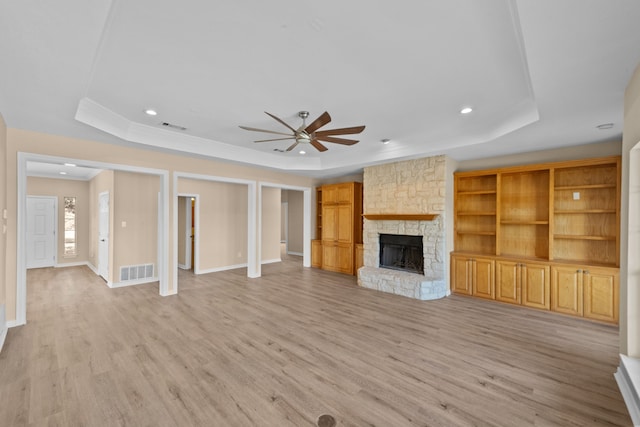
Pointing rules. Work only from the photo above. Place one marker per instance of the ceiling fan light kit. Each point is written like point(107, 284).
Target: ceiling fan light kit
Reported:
point(309, 134)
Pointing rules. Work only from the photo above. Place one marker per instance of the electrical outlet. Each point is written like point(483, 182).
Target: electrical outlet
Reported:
point(124, 224)
point(576, 195)
point(239, 254)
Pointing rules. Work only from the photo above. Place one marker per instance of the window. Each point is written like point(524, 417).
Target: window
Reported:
point(70, 249)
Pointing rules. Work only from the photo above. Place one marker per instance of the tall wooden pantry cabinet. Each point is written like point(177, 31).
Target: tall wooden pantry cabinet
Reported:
point(338, 227)
point(547, 236)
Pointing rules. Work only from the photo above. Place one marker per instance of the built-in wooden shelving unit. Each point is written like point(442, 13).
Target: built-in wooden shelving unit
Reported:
point(544, 236)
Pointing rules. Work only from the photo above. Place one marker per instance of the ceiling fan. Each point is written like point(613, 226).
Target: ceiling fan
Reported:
point(310, 134)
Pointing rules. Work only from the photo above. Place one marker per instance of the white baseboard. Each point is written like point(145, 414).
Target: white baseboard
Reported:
point(3, 326)
point(132, 282)
point(184, 267)
point(14, 323)
point(215, 270)
point(295, 253)
point(628, 378)
point(93, 268)
point(71, 264)
point(271, 261)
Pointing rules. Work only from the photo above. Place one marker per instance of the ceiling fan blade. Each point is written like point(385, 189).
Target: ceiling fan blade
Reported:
point(292, 146)
point(262, 130)
point(336, 140)
point(276, 139)
point(281, 121)
point(341, 131)
point(318, 123)
point(317, 145)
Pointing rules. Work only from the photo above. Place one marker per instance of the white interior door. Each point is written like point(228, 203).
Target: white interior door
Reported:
point(41, 231)
point(103, 236)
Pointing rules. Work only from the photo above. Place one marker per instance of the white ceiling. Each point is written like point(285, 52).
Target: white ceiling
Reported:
point(539, 74)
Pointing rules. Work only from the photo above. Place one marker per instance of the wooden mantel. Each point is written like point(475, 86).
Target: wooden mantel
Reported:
point(400, 217)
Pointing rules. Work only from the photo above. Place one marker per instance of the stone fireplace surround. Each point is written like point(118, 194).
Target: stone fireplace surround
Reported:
point(430, 286)
point(391, 192)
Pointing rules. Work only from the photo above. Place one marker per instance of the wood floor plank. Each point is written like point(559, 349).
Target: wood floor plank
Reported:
point(294, 344)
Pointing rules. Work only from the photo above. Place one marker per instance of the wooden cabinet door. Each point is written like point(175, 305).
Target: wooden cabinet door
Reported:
point(316, 253)
point(329, 256)
point(461, 269)
point(329, 223)
point(566, 290)
point(329, 194)
point(601, 300)
point(483, 278)
point(344, 224)
point(344, 261)
point(344, 193)
point(508, 282)
point(536, 285)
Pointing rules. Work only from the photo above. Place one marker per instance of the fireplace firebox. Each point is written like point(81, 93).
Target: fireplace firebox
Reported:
point(401, 252)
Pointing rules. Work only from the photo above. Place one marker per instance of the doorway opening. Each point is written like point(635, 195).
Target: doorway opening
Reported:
point(161, 205)
point(188, 229)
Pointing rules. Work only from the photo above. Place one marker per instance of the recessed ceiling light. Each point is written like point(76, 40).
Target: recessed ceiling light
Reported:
point(605, 126)
point(466, 110)
point(385, 141)
point(150, 112)
point(303, 152)
point(63, 173)
point(73, 165)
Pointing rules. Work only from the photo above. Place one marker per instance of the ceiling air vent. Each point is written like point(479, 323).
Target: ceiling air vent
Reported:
point(172, 126)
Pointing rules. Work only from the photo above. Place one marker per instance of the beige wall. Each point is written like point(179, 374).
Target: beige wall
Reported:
point(586, 151)
point(135, 219)
point(630, 222)
point(270, 211)
point(222, 211)
point(356, 177)
point(296, 219)
point(62, 188)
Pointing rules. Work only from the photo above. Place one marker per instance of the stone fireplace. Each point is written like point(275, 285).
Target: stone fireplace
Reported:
point(406, 198)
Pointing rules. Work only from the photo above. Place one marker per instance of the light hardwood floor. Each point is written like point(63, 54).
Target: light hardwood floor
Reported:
point(295, 344)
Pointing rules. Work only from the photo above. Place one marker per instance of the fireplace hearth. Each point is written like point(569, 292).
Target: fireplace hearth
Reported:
point(402, 252)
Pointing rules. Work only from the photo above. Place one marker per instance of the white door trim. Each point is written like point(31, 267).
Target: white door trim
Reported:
point(21, 271)
point(54, 248)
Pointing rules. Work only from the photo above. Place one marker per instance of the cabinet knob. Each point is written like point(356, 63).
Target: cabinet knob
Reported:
point(578, 271)
point(586, 272)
